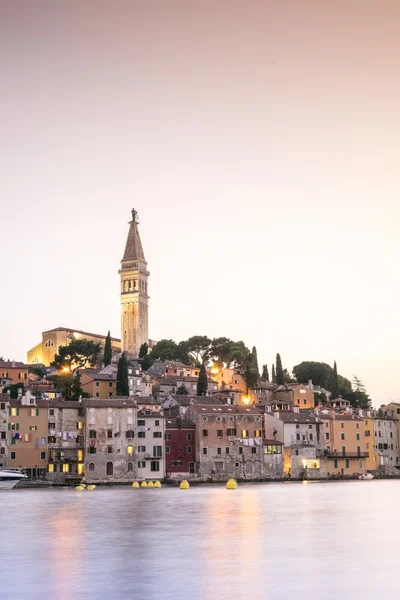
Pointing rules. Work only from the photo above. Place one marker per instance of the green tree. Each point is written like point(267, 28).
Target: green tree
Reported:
point(122, 377)
point(334, 382)
point(318, 372)
point(143, 350)
point(221, 350)
point(287, 377)
point(280, 377)
point(107, 351)
point(202, 382)
point(37, 370)
point(273, 374)
point(78, 354)
point(252, 374)
point(14, 389)
point(69, 385)
point(182, 390)
point(265, 373)
point(198, 348)
point(358, 396)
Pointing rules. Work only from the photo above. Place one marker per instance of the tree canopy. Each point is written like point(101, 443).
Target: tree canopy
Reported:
point(78, 354)
point(69, 385)
point(265, 373)
point(280, 376)
point(202, 382)
point(122, 377)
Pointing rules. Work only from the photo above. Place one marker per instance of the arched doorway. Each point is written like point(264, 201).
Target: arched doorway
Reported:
point(110, 468)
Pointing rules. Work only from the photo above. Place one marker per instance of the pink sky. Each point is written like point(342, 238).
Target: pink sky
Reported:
point(259, 142)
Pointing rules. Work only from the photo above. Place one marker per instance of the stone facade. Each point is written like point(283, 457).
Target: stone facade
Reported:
point(229, 441)
point(109, 441)
point(4, 409)
point(66, 423)
point(150, 440)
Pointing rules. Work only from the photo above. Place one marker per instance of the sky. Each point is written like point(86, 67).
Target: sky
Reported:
point(258, 141)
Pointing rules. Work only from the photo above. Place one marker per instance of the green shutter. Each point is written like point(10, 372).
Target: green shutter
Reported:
point(9, 411)
point(9, 426)
point(37, 412)
point(17, 426)
point(12, 441)
point(17, 412)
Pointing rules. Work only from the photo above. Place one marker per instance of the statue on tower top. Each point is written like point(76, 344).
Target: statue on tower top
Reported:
point(135, 216)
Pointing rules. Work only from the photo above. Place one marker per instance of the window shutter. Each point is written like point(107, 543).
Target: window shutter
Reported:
point(9, 426)
point(9, 412)
point(17, 412)
point(17, 426)
point(37, 412)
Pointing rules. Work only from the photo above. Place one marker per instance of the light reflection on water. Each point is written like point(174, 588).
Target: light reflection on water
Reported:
point(262, 541)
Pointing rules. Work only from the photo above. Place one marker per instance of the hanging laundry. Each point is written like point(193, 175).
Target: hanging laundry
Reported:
point(64, 435)
point(257, 440)
point(52, 432)
point(245, 442)
point(251, 442)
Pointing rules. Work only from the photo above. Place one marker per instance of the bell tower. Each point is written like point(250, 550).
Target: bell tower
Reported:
point(134, 299)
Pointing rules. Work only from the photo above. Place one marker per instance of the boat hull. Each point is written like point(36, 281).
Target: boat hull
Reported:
point(8, 484)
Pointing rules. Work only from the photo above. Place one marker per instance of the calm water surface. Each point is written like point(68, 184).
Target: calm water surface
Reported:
point(261, 541)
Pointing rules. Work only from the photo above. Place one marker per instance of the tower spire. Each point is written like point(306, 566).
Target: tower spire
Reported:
point(134, 297)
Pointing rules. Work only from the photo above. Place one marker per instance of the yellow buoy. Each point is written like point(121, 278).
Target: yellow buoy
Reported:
point(144, 484)
point(150, 484)
point(90, 488)
point(157, 484)
point(231, 484)
point(79, 488)
point(184, 485)
point(135, 484)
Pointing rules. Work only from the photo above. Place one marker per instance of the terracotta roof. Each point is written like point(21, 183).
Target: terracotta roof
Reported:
point(97, 376)
point(174, 379)
point(13, 364)
point(113, 339)
point(122, 402)
point(188, 400)
point(226, 409)
point(39, 403)
point(340, 417)
point(175, 423)
point(295, 417)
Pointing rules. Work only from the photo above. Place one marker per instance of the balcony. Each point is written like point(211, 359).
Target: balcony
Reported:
point(334, 454)
point(149, 457)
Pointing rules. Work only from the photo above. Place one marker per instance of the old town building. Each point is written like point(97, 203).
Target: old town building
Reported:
point(180, 449)
point(66, 442)
point(12, 372)
point(110, 440)
point(150, 439)
point(229, 441)
point(98, 383)
point(4, 409)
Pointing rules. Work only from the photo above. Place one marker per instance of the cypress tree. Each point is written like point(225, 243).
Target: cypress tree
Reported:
point(107, 350)
point(252, 374)
point(202, 382)
point(334, 383)
point(273, 374)
point(122, 377)
point(280, 377)
point(265, 374)
point(143, 350)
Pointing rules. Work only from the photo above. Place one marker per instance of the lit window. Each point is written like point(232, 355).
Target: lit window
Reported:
point(33, 427)
point(258, 433)
point(51, 468)
point(81, 468)
point(129, 449)
point(80, 425)
point(80, 455)
point(65, 468)
point(245, 433)
point(14, 412)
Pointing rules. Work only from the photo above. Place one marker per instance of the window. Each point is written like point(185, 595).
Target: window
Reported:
point(13, 455)
point(130, 467)
point(258, 433)
point(110, 449)
point(220, 433)
point(189, 449)
point(141, 422)
point(357, 436)
point(91, 466)
point(65, 468)
point(311, 436)
point(297, 436)
point(3, 435)
point(240, 450)
point(342, 424)
point(157, 423)
point(141, 464)
point(191, 467)
point(205, 450)
point(357, 426)
point(141, 434)
point(167, 449)
point(109, 468)
point(157, 434)
point(167, 436)
point(130, 433)
point(97, 395)
point(227, 450)
point(245, 433)
point(50, 468)
point(2, 406)
point(335, 463)
point(154, 465)
point(219, 450)
point(391, 434)
point(32, 427)
point(347, 463)
point(205, 432)
point(310, 427)
point(109, 433)
point(14, 412)
point(79, 425)
point(129, 449)
point(141, 448)
point(188, 437)
point(92, 434)
point(342, 436)
point(92, 450)
point(13, 426)
point(34, 412)
point(297, 426)
point(231, 432)
point(97, 383)
point(254, 450)
point(327, 436)
point(157, 451)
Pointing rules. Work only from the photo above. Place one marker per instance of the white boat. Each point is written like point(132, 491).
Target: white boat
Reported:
point(366, 476)
point(10, 477)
